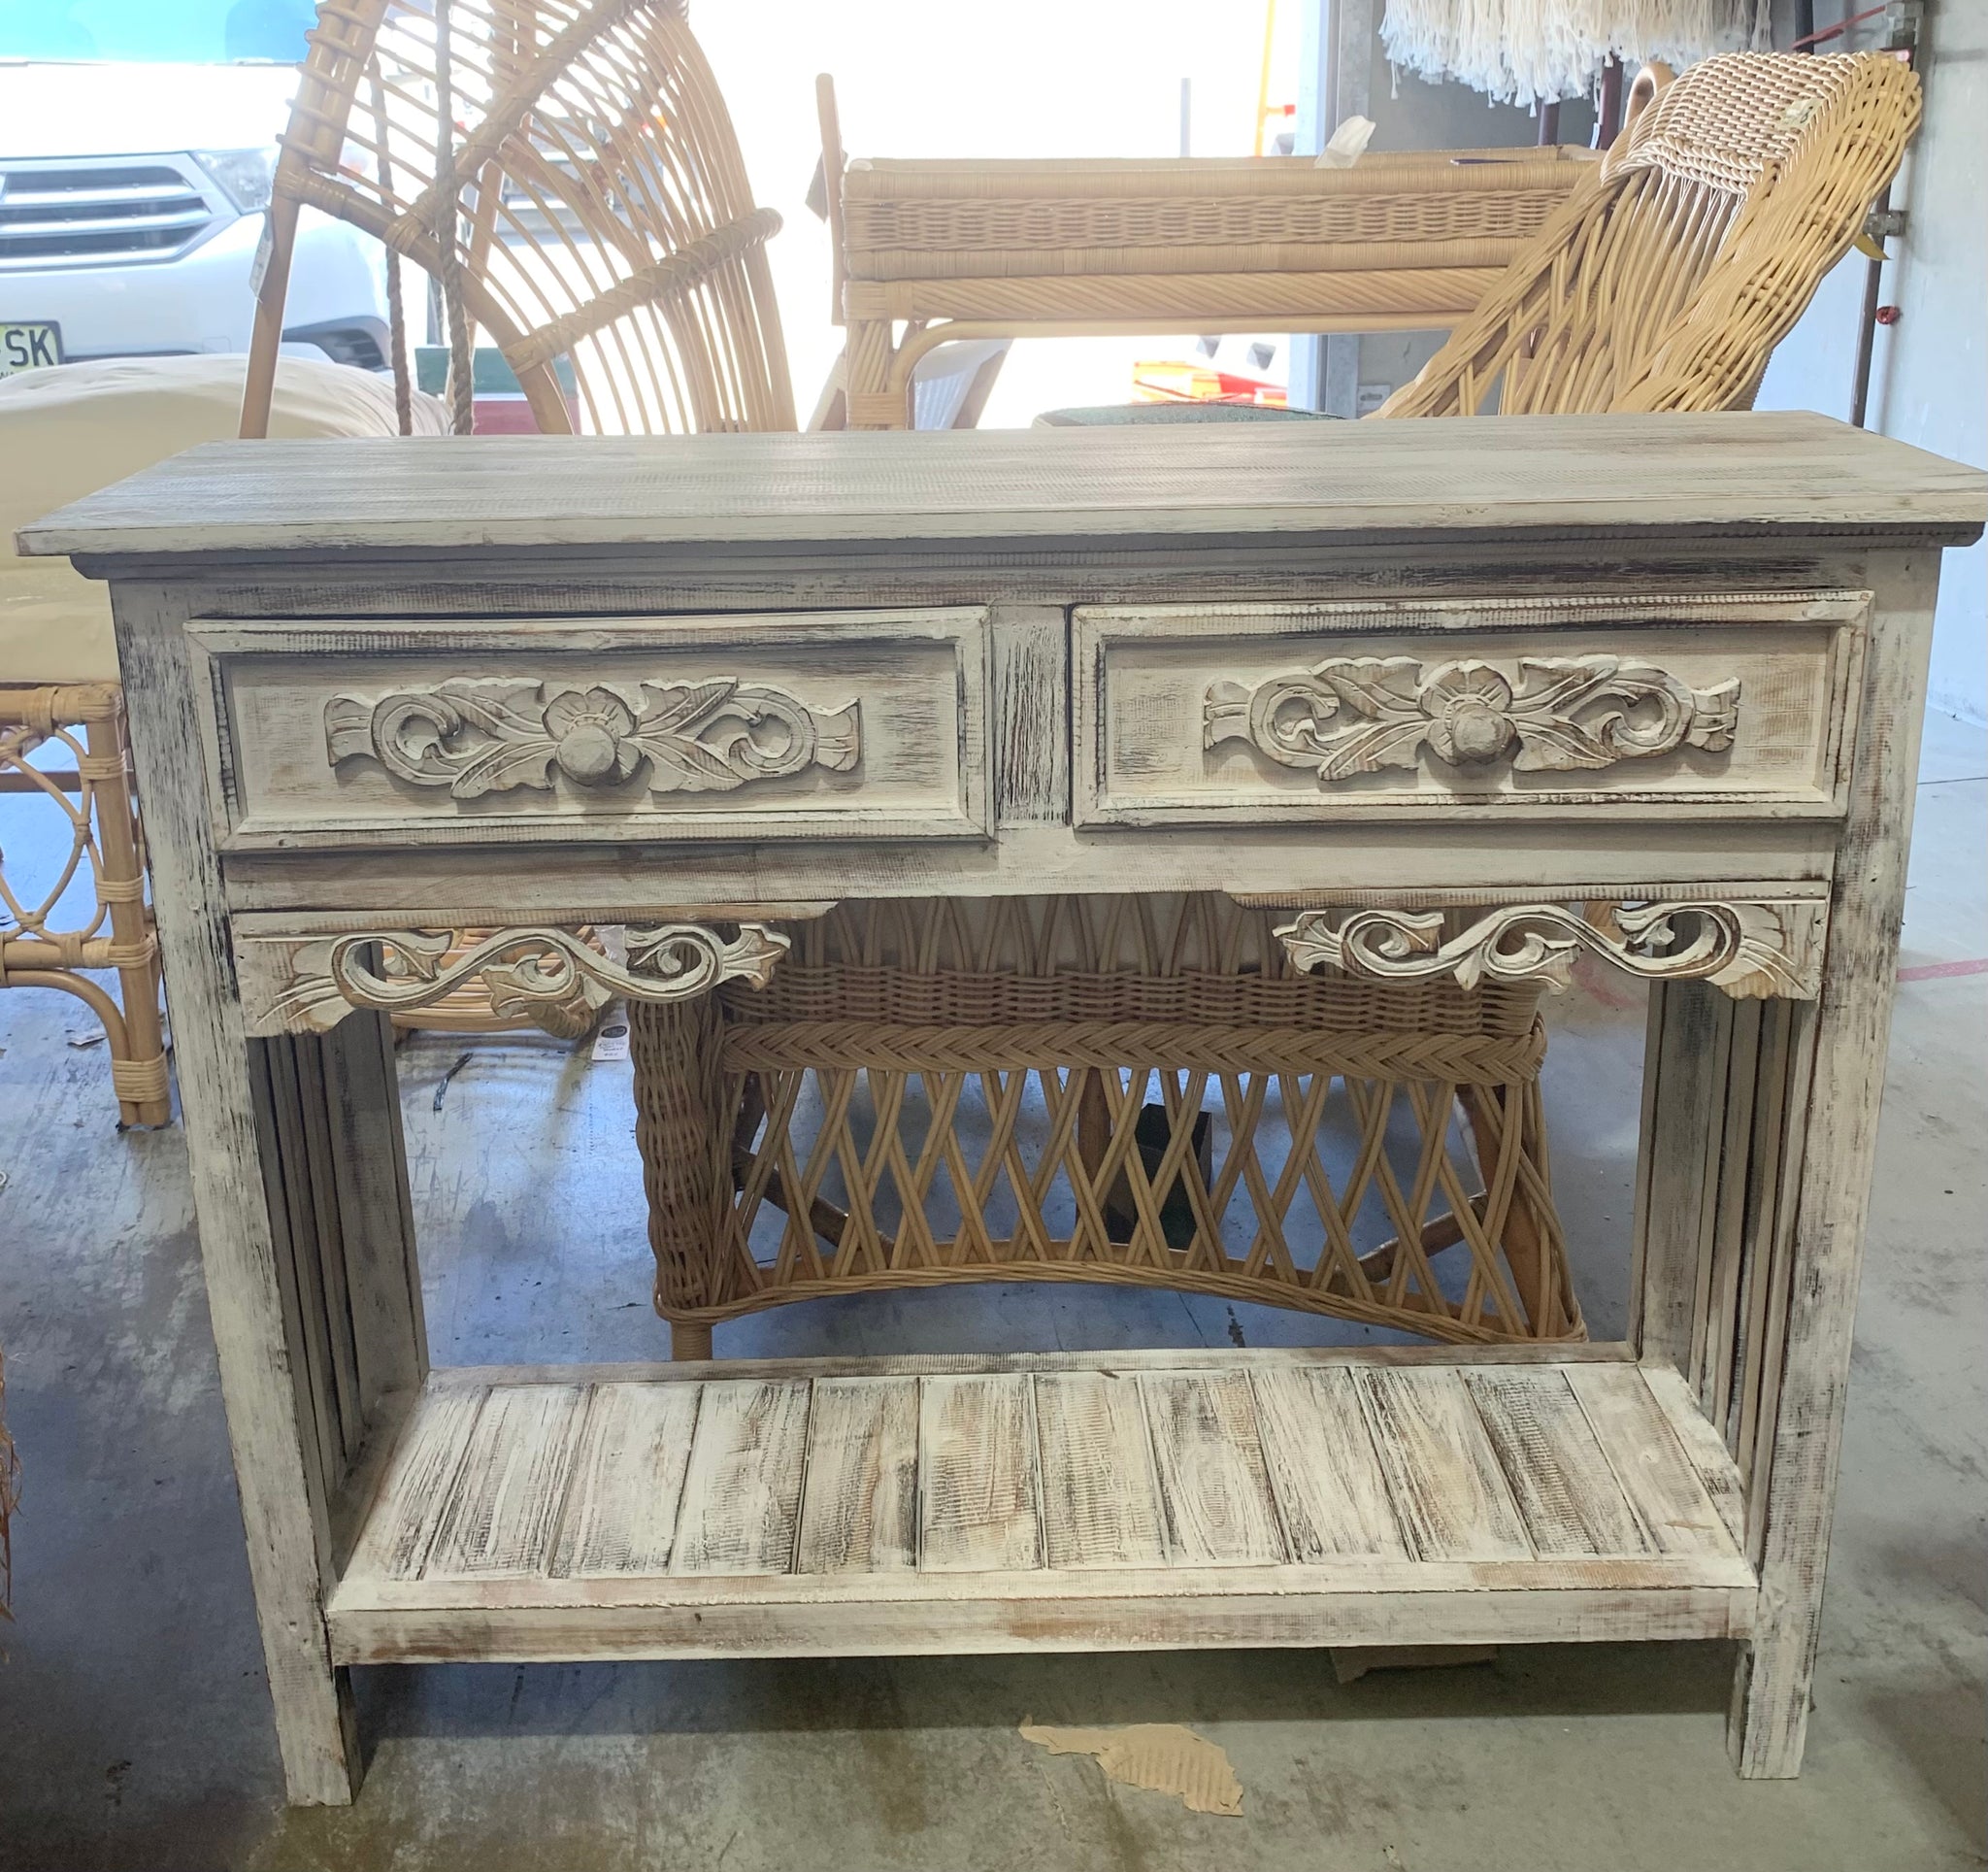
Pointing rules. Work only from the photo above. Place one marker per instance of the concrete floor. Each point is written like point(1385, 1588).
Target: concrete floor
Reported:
point(134, 1719)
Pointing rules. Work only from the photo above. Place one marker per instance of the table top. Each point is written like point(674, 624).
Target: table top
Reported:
point(1460, 479)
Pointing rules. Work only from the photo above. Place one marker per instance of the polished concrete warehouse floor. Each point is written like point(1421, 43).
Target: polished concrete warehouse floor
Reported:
point(134, 1719)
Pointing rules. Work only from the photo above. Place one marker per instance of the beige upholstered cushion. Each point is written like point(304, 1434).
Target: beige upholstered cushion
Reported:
point(68, 431)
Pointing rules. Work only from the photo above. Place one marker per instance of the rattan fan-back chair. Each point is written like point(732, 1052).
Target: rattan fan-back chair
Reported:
point(1665, 283)
point(567, 173)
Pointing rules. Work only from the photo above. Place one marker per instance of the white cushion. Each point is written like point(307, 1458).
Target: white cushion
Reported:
point(68, 431)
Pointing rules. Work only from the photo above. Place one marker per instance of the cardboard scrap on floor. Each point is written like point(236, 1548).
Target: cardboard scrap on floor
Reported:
point(1168, 1758)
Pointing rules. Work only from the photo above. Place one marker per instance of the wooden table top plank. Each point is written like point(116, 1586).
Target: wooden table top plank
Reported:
point(1562, 1484)
point(1465, 477)
point(1448, 1490)
point(1324, 1474)
point(978, 1503)
point(400, 1528)
point(1636, 1434)
point(1214, 1489)
point(859, 1509)
point(627, 1481)
point(500, 1512)
point(742, 1493)
point(1100, 1499)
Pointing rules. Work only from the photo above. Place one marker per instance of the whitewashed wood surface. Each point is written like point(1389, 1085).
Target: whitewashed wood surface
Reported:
point(1120, 1501)
point(1478, 475)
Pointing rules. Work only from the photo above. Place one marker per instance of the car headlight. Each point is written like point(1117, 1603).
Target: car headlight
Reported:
point(245, 174)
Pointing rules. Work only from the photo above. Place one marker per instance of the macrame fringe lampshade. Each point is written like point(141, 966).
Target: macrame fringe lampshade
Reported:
point(1534, 51)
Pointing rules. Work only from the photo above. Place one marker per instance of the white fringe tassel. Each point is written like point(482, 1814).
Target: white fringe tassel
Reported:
point(1535, 51)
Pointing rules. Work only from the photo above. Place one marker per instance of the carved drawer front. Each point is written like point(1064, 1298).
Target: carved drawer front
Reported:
point(1627, 707)
point(839, 724)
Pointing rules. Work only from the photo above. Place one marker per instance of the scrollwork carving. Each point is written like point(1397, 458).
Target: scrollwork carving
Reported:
point(308, 984)
point(1357, 715)
point(1748, 948)
point(478, 736)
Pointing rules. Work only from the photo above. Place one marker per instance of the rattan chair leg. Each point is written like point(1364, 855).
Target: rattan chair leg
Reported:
point(1535, 1269)
point(138, 1070)
point(684, 1127)
point(108, 846)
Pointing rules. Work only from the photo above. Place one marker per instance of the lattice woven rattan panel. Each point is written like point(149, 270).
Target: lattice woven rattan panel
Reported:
point(1304, 1142)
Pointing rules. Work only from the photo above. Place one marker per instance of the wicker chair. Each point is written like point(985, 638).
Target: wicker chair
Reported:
point(936, 252)
point(930, 1092)
point(1667, 283)
point(589, 203)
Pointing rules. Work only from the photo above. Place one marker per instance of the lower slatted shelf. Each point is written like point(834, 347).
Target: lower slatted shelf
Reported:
point(1068, 1501)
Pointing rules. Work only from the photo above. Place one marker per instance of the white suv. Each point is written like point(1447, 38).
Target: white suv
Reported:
point(132, 197)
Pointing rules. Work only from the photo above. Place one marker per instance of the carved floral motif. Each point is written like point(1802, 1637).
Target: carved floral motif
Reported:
point(1356, 715)
point(319, 980)
point(1748, 949)
point(486, 736)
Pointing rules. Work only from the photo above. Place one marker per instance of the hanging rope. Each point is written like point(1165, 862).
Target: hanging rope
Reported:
point(462, 419)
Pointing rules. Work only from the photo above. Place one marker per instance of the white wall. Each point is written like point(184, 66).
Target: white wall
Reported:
point(1930, 371)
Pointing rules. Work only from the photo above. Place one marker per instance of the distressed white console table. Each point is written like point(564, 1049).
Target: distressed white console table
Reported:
point(1670, 669)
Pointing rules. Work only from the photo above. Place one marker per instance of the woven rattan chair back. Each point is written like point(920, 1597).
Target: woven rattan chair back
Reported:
point(567, 174)
point(1136, 1092)
point(1667, 280)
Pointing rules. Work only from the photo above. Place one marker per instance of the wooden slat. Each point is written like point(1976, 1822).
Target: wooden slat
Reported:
point(859, 1513)
point(1100, 1507)
point(1323, 1471)
point(1031, 714)
point(1448, 1491)
point(1214, 1490)
point(1703, 1450)
point(627, 1481)
point(928, 1364)
point(742, 1494)
point(400, 1526)
point(500, 1512)
point(376, 1218)
point(1465, 475)
point(1558, 1476)
point(1649, 1463)
point(977, 1482)
point(968, 1620)
point(1683, 1084)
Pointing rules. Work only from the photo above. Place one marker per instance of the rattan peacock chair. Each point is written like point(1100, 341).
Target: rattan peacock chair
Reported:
point(566, 172)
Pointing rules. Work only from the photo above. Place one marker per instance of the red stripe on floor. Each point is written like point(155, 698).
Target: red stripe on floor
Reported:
point(1935, 971)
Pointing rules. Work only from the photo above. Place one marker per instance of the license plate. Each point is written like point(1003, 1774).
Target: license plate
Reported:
point(29, 346)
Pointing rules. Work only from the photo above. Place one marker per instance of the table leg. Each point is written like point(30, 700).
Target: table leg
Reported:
point(1760, 1127)
point(228, 1102)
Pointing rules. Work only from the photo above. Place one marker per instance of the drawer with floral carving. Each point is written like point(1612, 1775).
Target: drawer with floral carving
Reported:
point(1629, 707)
point(849, 724)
